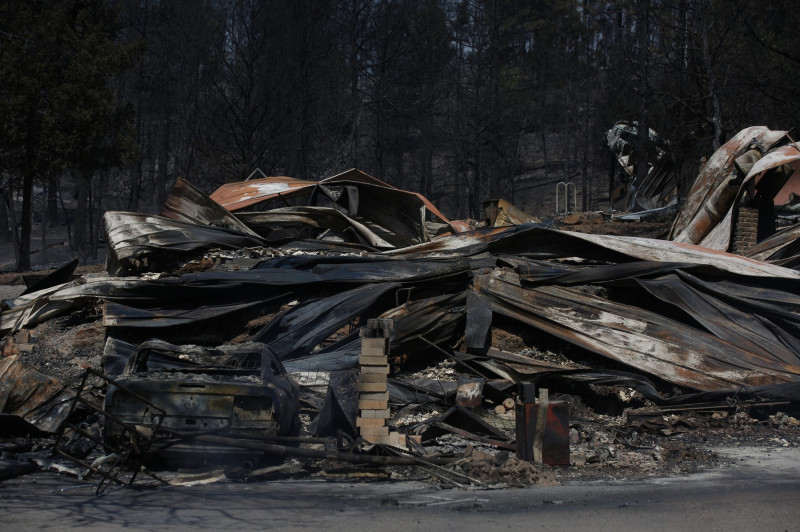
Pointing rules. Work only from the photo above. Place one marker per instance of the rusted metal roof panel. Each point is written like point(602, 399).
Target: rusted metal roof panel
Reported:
point(717, 169)
point(316, 217)
point(788, 154)
point(188, 204)
point(727, 317)
point(720, 236)
point(782, 248)
point(540, 242)
point(237, 196)
point(636, 337)
point(37, 398)
point(132, 236)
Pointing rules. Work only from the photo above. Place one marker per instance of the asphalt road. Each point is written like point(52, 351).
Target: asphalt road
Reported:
point(761, 491)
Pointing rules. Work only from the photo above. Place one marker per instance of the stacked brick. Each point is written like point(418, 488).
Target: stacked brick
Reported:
point(745, 234)
point(373, 394)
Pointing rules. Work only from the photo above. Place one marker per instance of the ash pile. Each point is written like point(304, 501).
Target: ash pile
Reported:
point(347, 329)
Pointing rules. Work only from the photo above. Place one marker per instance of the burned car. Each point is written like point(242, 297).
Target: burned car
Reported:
point(238, 391)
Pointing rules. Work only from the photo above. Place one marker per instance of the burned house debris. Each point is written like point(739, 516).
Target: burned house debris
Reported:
point(630, 189)
point(237, 391)
point(346, 320)
point(733, 202)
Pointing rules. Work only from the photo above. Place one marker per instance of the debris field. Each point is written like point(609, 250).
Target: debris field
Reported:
point(349, 330)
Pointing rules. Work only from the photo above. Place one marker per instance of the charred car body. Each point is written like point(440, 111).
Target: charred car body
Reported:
point(241, 391)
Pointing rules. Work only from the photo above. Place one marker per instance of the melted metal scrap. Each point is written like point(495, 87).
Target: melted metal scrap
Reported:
point(240, 391)
point(396, 216)
point(137, 240)
point(707, 216)
point(659, 187)
point(187, 203)
point(500, 213)
point(31, 395)
point(648, 341)
point(543, 243)
point(292, 223)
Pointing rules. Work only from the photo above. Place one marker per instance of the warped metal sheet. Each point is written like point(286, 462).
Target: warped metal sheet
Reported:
point(298, 331)
point(360, 269)
point(713, 311)
point(659, 185)
point(237, 196)
point(186, 203)
point(63, 274)
point(464, 244)
point(720, 236)
point(140, 300)
point(37, 398)
point(782, 248)
point(541, 243)
point(717, 169)
point(167, 301)
point(357, 176)
point(538, 272)
point(787, 154)
point(636, 337)
point(316, 217)
point(661, 250)
point(134, 236)
point(35, 307)
point(117, 315)
point(399, 213)
point(438, 319)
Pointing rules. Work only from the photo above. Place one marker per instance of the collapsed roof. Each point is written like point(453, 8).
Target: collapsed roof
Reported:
point(655, 188)
point(757, 169)
point(700, 319)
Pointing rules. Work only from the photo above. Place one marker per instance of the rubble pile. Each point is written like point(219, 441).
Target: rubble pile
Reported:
point(353, 322)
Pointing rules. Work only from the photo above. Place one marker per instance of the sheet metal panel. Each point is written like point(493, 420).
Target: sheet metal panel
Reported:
point(187, 203)
point(641, 339)
point(541, 243)
point(237, 196)
point(717, 169)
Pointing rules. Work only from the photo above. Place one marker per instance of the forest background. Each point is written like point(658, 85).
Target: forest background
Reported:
point(104, 103)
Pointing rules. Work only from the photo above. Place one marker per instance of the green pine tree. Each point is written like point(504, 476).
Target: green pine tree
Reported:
point(57, 60)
